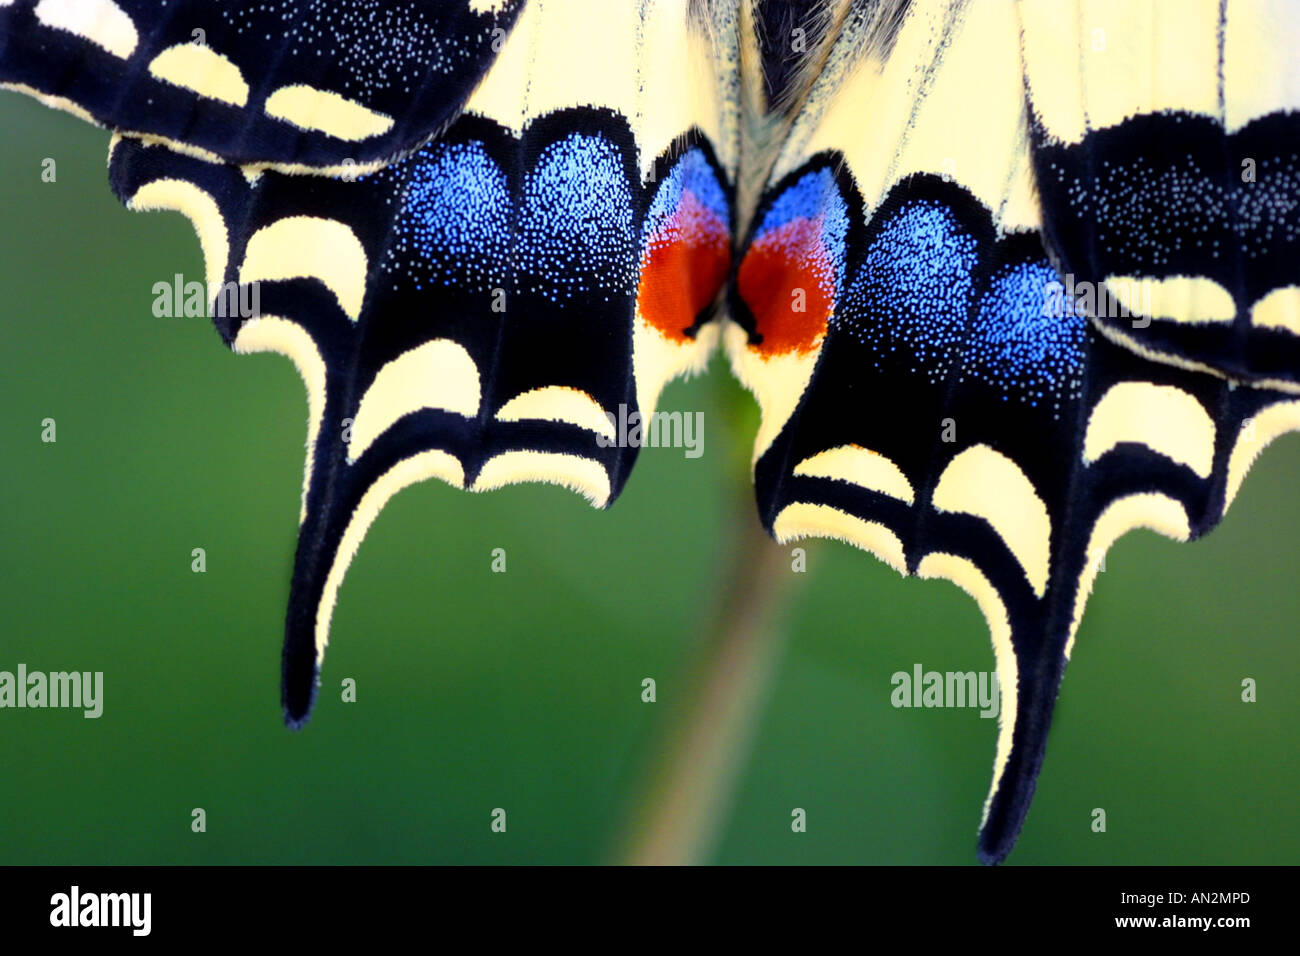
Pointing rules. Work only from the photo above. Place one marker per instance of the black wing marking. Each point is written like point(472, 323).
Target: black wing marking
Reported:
point(293, 84)
point(957, 426)
point(480, 328)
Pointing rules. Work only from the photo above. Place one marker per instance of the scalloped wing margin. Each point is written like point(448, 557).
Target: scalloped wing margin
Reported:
point(487, 309)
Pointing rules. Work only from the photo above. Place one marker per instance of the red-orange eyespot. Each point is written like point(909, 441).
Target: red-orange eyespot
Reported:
point(793, 269)
point(684, 265)
point(788, 283)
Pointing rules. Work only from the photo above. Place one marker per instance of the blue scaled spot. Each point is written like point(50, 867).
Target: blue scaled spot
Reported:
point(1023, 343)
point(910, 300)
point(576, 222)
point(454, 224)
point(691, 172)
point(813, 196)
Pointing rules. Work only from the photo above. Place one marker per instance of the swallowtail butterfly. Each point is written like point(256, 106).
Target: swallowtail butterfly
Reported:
point(1007, 278)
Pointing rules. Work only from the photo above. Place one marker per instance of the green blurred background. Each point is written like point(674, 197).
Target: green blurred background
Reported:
point(523, 691)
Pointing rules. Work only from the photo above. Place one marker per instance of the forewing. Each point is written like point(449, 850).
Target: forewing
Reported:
point(297, 85)
point(1166, 141)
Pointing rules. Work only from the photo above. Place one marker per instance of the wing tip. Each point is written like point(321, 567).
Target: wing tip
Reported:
point(1000, 832)
point(993, 856)
point(296, 723)
point(298, 694)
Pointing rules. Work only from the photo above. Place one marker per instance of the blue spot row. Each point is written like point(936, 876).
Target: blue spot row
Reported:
point(914, 302)
point(572, 233)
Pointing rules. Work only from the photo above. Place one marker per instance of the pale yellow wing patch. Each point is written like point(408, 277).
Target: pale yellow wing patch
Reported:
point(908, 112)
point(102, 22)
point(859, 466)
point(438, 374)
point(203, 70)
point(583, 475)
point(657, 361)
point(1280, 309)
point(1253, 437)
point(776, 381)
point(649, 65)
point(803, 519)
point(309, 108)
point(1185, 299)
point(271, 333)
point(971, 579)
point(201, 209)
point(987, 484)
point(558, 403)
point(1093, 64)
point(1167, 420)
point(313, 248)
point(1261, 72)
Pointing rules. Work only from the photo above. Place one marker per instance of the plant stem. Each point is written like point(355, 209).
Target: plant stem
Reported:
point(691, 787)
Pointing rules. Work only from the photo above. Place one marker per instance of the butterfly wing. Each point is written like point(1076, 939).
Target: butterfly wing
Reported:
point(1166, 139)
point(483, 310)
point(297, 84)
point(927, 396)
point(479, 308)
